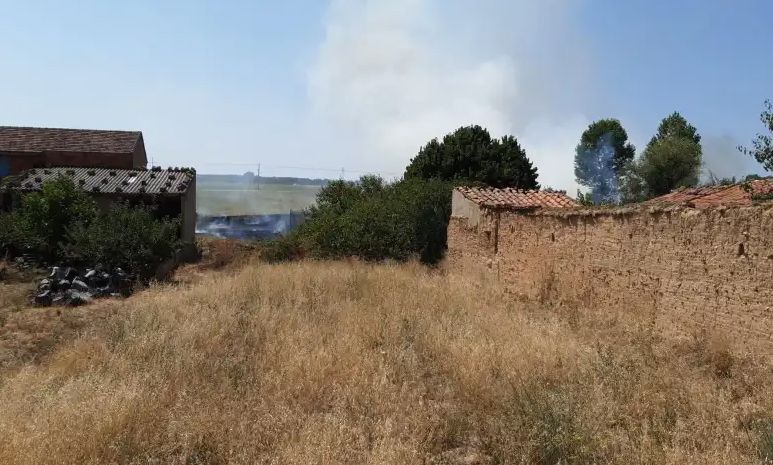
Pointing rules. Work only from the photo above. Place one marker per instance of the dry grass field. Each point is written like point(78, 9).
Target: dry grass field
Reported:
point(381, 364)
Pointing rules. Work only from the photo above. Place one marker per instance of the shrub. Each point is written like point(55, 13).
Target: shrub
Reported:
point(44, 217)
point(282, 249)
point(127, 237)
point(11, 235)
point(61, 222)
point(374, 221)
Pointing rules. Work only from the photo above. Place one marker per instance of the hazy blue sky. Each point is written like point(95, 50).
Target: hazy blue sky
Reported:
point(361, 85)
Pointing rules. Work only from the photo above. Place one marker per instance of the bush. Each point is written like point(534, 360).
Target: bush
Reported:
point(374, 221)
point(44, 217)
point(11, 236)
point(61, 222)
point(127, 237)
point(282, 249)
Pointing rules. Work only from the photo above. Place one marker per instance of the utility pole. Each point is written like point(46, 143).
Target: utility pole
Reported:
point(258, 178)
point(342, 174)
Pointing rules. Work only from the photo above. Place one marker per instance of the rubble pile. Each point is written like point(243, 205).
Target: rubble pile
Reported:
point(68, 286)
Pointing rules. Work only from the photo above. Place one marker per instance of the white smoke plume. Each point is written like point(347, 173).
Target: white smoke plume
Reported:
point(722, 159)
point(390, 75)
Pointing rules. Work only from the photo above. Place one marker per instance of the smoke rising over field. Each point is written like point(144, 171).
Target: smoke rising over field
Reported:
point(393, 75)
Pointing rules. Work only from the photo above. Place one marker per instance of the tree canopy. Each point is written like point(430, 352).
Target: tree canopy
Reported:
point(600, 158)
point(675, 126)
point(470, 154)
point(375, 220)
point(762, 145)
point(669, 163)
point(672, 159)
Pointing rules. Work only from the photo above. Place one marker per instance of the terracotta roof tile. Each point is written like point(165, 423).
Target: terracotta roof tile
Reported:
point(516, 198)
point(23, 139)
point(734, 195)
point(111, 181)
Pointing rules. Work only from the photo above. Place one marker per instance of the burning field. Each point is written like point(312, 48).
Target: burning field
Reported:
point(231, 207)
point(248, 226)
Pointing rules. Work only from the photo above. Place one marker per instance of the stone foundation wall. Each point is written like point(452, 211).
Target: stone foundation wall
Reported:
point(688, 270)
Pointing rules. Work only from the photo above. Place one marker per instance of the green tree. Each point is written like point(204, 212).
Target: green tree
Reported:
point(469, 154)
point(762, 146)
point(600, 158)
point(672, 159)
point(675, 126)
point(670, 163)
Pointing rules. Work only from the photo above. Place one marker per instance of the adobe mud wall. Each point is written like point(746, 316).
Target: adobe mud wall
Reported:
point(686, 270)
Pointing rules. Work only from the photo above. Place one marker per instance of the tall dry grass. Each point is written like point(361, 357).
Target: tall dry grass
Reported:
point(352, 363)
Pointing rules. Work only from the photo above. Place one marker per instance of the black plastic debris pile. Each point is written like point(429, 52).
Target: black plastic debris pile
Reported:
point(68, 286)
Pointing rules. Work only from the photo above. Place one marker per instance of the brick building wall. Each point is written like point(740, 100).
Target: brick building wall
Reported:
point(687, 270)
point(20, 161)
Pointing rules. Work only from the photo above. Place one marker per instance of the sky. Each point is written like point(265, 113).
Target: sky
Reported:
point(347, 87)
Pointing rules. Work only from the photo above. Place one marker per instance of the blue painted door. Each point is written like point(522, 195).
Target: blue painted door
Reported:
point(5, 166)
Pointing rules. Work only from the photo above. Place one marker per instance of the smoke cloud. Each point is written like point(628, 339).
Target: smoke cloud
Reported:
point(597, 165)
point(722, 159)
point(391, 75)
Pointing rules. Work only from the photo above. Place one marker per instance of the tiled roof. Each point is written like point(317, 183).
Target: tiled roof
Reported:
point(21, 139)
point(111, 181)
point(735, 195)
point(516, 199)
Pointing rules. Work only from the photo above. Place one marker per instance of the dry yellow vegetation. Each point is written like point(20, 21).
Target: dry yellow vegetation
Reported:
point(334, 362)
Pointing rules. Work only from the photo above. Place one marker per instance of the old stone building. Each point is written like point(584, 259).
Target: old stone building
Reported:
point(23, 148)
point(476, 215)
point(696, 261)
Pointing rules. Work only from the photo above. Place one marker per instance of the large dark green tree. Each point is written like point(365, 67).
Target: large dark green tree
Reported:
point(672, 158)
point(762, 145)
point(675, 126)
point(600, 158)
point(470, 154)
point(670, 163)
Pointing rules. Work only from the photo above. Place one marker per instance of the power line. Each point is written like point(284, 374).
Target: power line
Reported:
point(342, 171)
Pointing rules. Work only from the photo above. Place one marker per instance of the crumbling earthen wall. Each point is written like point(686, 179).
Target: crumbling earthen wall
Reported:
point(470, 246)
point(688, 270)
